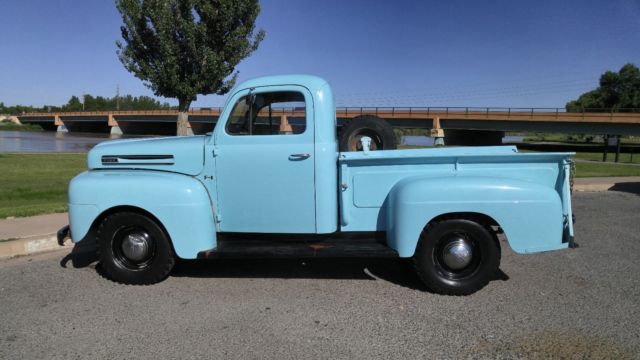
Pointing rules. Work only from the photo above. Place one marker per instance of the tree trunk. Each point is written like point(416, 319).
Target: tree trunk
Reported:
point(183, 118)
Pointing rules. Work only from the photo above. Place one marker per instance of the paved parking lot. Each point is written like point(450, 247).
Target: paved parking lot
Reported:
point(582, 303)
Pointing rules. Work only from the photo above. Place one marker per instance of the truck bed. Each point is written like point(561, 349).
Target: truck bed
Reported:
point(366, 178)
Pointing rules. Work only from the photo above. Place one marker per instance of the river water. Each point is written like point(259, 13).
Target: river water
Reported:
point(63, 142)
point(51, 141)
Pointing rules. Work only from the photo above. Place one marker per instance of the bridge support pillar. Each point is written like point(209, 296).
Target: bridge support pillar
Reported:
point(473, 137)
point(437, 132)
point(438, 137)
point(60, 127)
point(115, 130)
point(115, 127)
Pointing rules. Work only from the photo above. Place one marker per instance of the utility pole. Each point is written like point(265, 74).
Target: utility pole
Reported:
point(117, 97)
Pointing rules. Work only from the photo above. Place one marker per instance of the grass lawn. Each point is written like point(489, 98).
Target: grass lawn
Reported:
point(32, 184)
point(611, 156)
point(590, 169)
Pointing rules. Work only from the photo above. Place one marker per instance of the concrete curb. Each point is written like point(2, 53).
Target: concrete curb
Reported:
point(592, 187)
point(31, 245)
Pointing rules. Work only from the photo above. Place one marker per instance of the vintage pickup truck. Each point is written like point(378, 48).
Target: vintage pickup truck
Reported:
point(270, 181)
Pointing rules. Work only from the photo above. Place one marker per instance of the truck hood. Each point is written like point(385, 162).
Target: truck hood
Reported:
point(183, 155)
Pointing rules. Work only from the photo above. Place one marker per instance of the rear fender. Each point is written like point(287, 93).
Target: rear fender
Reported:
point(180, 203)
point(530, 214)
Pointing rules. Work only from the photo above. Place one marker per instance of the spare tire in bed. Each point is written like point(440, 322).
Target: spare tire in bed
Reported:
point(380, 132)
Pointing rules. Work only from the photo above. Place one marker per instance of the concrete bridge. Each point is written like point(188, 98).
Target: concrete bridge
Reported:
point(469, 126)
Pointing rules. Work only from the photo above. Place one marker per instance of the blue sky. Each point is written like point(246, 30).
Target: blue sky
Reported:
point(374, 53)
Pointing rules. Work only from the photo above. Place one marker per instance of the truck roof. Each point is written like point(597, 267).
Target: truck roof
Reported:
point(311, 82)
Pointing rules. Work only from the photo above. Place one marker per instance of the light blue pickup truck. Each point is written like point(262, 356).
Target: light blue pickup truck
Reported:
point(273, 179)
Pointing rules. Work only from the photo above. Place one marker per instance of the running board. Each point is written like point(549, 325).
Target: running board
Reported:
point(261, 246)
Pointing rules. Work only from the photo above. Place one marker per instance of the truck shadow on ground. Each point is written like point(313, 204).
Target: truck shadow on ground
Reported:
point(82, 255)
point(628, 187)
point(393, 270)
point(396, 271)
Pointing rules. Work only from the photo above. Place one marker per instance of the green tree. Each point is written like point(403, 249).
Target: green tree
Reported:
point(618, 91)
point(101, 104)
point(182, 48)
point(73, 104)
point(88, 102)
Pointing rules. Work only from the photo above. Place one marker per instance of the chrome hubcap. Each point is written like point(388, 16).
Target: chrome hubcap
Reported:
point(135, 247)
point(457, 254)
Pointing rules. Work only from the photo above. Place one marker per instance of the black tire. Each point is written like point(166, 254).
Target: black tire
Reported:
point(431, 263)
point(380, 132)
point(125, 265)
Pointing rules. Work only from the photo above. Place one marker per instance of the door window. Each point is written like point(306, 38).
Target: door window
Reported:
point(272, 113)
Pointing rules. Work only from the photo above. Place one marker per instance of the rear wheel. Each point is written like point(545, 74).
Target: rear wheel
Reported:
point(380, 132)
point(457, 256)
point(134, 249)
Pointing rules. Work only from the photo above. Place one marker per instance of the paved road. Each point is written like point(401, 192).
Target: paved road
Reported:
point(582, 303)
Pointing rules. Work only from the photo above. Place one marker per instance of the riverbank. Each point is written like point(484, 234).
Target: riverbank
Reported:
point(9, 126)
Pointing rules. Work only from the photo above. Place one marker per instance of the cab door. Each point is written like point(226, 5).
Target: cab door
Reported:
point(264, 156)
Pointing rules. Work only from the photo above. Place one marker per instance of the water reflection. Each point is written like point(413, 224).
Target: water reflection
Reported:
point(47, 141)
point(70, 142)
point(416, 140)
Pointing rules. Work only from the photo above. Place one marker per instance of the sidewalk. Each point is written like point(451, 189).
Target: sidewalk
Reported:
point(24, 236)
point(628, 184)
point(18, 228)
point(30, 235)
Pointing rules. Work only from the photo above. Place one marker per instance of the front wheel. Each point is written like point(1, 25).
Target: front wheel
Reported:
point(134, 249)
point(457, 256)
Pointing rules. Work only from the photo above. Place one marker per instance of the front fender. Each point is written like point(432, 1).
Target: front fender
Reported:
point(181, 203)
point(530, 214)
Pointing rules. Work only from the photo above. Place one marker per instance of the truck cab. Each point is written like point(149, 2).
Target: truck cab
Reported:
point(271, 181)
point(275, 146)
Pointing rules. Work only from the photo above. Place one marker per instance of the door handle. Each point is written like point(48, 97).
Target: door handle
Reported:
point(298, 157)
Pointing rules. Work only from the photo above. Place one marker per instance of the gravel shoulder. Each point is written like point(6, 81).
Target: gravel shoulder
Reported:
point(582, 303)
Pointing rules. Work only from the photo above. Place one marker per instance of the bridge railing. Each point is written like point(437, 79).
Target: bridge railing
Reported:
point(475, 109)
point(363, 110)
